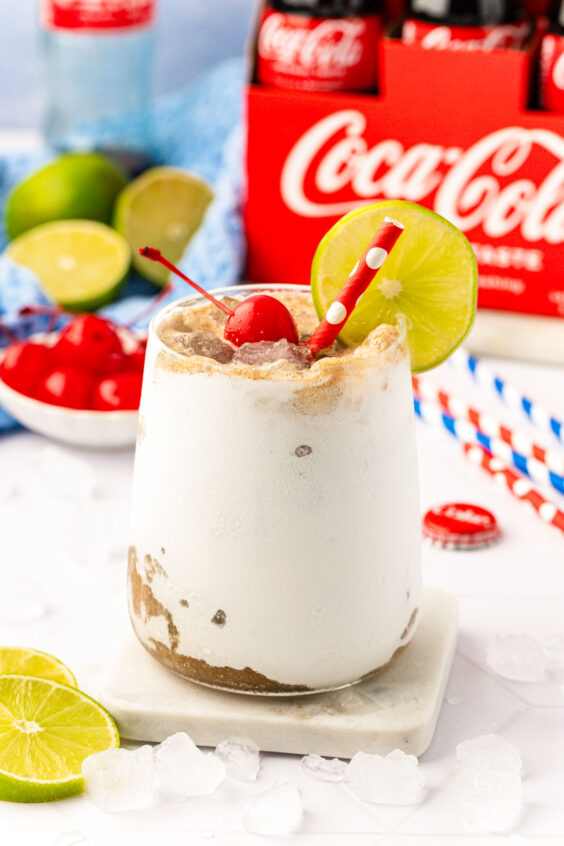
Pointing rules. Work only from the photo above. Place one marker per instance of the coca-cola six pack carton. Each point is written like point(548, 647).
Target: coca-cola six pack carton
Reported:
point(449, 129)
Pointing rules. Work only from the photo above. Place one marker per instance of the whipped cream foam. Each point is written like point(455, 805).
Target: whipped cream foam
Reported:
point(275, 540)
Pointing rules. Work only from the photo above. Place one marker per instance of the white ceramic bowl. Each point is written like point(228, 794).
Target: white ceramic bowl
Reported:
point(93, 429)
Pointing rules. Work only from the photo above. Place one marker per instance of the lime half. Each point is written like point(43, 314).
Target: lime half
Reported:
point(31, 662)
point(75, 185)
point(47, 729)
point(430, 277)
point(162, 208)
point(80, 264)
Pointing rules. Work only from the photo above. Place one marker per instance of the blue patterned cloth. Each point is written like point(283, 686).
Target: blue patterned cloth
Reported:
point(198, 129)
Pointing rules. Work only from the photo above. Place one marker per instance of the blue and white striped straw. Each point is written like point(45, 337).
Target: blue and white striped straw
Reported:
point(466, 432)
point(509, 394)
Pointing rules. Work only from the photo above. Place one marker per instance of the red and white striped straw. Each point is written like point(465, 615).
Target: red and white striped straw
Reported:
point(361, 276)
point(520, 487)
point(490, 426)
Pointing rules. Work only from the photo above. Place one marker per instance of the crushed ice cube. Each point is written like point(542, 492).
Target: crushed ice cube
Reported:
point(21, 600)
point(517, 657)
point(278, 810)
point(267, 352)
point(206, 344)
point(324, 769)
point(489, 752)
point(120, 780)
point(184, 770)
point(68, 838)
point(63, 475)
point(394, 779)
point(241, 756)
point(553, 648)
point(494, 805)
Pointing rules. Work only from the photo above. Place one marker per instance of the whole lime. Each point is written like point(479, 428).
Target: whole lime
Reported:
point(75, 185)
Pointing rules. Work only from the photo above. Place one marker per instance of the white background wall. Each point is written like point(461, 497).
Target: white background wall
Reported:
point(191, 36)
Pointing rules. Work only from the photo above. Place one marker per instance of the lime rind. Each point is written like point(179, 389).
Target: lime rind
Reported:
point(430, 277)
point(72, 186)
point(48, 765)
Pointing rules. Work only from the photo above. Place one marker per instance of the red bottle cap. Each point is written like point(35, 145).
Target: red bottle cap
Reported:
point(459, 525)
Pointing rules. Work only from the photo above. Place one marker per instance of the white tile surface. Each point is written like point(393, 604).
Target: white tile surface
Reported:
point(516, 586)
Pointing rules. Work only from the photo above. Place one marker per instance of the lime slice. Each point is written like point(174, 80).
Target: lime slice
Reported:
point(75, 185)
point(162, 208)
point(47, 729)
point(79, 263)
point(31, 662)
point(430, 277)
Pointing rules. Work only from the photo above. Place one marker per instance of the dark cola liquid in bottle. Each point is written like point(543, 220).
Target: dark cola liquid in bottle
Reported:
point(466, 25)
point(320, 45)
point(552, 61)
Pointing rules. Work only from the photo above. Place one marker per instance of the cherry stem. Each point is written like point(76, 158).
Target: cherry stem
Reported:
point(155, 255)
point(10, 335)
point(38, 309)
point(53, 312)
point(162, 295)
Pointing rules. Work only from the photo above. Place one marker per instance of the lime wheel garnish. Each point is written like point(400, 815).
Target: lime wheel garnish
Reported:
point(47, 729)
point(430, 277)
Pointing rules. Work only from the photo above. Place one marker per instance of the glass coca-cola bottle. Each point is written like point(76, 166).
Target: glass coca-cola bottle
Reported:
point(470, 25)
point(320, 45)
point(552, 61)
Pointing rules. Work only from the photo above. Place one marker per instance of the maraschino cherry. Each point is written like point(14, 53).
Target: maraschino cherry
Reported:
point(23, 366)
point(136, 360)
point(121, 392)
point(257, 318)
point(67, 386)
point(88, 342)
point(87, 367)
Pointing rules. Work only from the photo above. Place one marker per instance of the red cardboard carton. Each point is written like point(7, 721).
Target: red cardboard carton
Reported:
point(449, 130)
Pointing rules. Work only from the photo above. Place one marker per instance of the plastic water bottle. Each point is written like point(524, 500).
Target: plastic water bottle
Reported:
point(99, 57)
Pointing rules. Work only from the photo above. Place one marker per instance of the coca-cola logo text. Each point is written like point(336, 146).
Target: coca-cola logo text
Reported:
point(487, 185)
point(469, 39)
point(463, 515)
point(336, 44)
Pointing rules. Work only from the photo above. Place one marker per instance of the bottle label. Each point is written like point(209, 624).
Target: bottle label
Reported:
point(321, 54)
point(552, 73)
point(465, 38)
point(96, 14)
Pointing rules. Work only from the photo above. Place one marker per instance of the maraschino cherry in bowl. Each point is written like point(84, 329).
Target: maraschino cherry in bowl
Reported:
point(80, 385)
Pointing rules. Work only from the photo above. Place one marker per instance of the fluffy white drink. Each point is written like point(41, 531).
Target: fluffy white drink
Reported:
point(275, 541)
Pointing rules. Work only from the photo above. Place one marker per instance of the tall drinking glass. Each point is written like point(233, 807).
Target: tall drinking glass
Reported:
point(275, 539)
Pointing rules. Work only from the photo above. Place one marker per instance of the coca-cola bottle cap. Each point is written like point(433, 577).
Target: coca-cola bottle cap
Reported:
point(556, 15)
point(328, 8)
point(459, 525)
point(469, 12)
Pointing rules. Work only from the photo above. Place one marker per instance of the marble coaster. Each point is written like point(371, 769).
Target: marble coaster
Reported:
point(397, 708)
